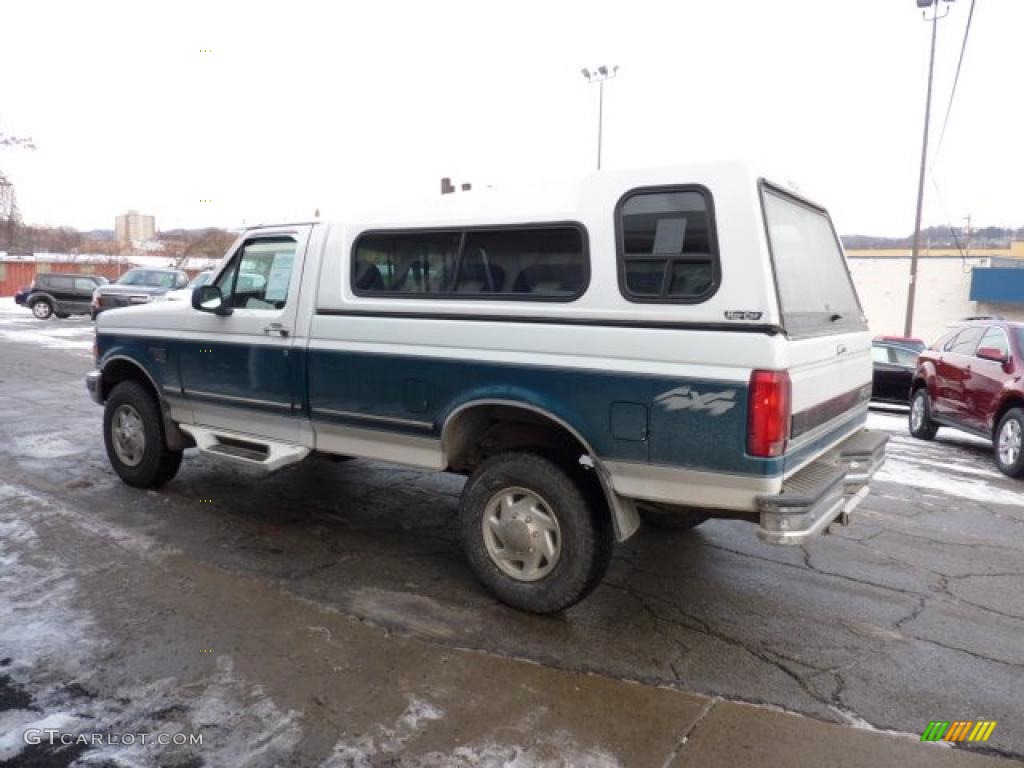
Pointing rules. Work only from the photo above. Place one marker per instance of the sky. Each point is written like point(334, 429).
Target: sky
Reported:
point(272, 110)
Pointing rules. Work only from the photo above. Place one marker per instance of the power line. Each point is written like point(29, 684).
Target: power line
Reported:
point(956, 79)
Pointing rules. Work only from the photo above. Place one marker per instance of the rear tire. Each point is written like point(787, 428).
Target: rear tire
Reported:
point(1008, 444)
point(921, 425)
point(533, 533)
point(133, 432)
point(62, 315)
point(42, 309)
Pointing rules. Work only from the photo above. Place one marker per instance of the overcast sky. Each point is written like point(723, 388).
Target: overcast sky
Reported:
point(306, 105)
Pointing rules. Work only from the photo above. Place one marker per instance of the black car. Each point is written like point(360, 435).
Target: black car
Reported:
point(59, 293)
point(137, 286)
point(894, 371)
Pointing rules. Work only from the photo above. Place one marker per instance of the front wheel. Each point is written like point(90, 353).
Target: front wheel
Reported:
point(42, 309)
point(1009, 443)
point(133, 433)
point(532, 533)
point(921, 425)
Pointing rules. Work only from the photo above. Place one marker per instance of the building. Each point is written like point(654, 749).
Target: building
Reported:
point(950, 286)
point(134, 227)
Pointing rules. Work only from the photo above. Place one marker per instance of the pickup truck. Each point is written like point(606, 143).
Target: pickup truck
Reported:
point(669, 345)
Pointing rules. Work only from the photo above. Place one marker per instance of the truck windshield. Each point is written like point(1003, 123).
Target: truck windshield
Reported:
point(815, 291)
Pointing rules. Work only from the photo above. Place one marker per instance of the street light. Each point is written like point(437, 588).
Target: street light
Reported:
point(915, 249)
point(599, 77)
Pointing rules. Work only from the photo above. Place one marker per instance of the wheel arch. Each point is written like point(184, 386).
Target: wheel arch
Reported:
point(118, 368)
point(1010, 401)
point(484, 426)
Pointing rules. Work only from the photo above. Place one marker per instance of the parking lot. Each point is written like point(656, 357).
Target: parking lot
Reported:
point(280, 615)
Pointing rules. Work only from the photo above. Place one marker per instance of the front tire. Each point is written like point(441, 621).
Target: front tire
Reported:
point(533, 534)
point(1009, 443)
point(921, 425)
point(42, 309)
point(133, 432)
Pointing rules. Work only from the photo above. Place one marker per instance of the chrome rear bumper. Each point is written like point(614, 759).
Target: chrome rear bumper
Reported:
point(825, 490)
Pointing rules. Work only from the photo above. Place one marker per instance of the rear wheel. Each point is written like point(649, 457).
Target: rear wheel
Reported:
point(42, 309)
point(921, 425)
point(533, 533)
point(1009, 443)
point(62, 315)
point(133, 432)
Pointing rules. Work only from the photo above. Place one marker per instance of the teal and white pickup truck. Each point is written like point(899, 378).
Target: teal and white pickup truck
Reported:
point(672, 344)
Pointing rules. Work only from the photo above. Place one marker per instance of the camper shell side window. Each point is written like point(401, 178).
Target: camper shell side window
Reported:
point(667, 245)
point(530, 262)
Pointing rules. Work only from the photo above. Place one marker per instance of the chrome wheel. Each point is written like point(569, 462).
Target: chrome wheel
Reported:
point(521, 534)
point(1009, 445)
point(917, 413)
point(128, 435)
point(42, 310)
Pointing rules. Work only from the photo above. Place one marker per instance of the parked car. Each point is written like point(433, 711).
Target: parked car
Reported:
point(137, 286)
point(185, 294)
point(910, 342)
point(59, 294)
point(970, 379)
point(682, 342)
point(894, 367)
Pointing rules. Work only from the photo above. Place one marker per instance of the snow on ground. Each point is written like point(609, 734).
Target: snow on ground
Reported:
point(954, 464)
point(48, 637)
point(19, 325)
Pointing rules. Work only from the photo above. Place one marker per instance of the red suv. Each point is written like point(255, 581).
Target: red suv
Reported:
point(973, 379)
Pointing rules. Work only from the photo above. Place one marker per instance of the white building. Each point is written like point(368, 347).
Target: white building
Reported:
point(949, 287)
point(134, 227)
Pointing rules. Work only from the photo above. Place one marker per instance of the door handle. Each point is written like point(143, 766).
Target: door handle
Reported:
point(273, 328)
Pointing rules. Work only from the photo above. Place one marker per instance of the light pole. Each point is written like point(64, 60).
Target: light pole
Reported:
point(915, 249)
point(599, 76)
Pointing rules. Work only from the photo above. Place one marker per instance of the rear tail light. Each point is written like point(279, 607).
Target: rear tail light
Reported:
point(768, 414)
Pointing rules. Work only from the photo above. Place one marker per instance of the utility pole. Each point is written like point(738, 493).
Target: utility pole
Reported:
point(599, 76)
point(915, 249)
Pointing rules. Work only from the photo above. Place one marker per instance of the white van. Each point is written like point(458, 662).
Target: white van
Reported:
point(673, 344)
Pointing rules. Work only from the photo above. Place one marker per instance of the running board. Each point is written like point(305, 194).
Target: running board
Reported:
point(245, 449)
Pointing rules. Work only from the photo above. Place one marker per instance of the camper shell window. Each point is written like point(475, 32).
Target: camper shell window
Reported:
point(548, 262)
point(667, 245)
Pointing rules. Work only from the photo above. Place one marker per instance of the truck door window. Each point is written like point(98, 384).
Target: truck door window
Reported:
point(995, 338)
point(260, 274)
point(966, 342)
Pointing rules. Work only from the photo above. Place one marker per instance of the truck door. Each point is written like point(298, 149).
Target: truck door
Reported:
point(240, 371)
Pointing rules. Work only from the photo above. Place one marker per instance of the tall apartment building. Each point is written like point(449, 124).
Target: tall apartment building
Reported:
point(134, 226)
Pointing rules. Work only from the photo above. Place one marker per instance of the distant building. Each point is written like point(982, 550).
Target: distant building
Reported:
point(950, 286)
point(134, 227)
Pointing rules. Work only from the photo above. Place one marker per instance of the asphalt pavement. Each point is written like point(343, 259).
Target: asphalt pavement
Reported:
point(324, 615)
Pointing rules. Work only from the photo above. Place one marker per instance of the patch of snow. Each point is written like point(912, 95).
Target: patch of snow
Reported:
point(907, 472)
point(388, 744)
point(54, 642)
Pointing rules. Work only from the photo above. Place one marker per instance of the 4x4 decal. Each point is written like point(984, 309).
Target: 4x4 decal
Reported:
point(685, 398)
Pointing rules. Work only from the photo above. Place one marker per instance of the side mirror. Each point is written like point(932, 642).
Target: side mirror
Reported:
point(991, 353)
point(208, 298)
